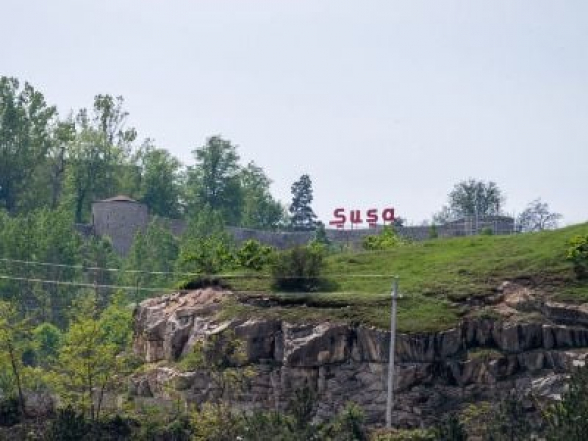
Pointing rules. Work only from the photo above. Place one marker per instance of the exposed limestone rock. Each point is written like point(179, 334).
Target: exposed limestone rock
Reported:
point(481, 359)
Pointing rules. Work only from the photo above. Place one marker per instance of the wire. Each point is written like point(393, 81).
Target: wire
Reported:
point(91, 268)
point(81, 284)
point(226, 276)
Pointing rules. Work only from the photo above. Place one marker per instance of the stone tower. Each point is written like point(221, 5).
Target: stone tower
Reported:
point(119, 218)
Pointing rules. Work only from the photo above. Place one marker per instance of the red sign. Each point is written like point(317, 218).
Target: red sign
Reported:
point(372, 216)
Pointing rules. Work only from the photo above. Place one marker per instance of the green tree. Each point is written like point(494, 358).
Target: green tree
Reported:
point(320, 235)
point(110, 119)
point(98, 257)
point(160, 185)
point(54, 242)
point(537, 217)
point(25, 137)
point(260, 209)
point(214, 180)
point(99, 159)
point(206, 247)
point(56, 162)
point(471, 198)
point(302, 216)
point(47, 339)
point(43, 236)
point(13, 332)
point(89, 364)
point(90, 162)
point(154, 250)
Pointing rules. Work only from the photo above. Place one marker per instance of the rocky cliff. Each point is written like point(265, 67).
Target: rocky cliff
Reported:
point(527, 345)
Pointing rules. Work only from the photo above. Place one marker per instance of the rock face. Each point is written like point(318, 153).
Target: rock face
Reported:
point(479, 360)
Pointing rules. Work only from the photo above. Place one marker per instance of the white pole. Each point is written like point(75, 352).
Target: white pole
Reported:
point(390, 401)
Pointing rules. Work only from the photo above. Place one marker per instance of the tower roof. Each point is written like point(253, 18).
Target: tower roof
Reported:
point(119, 198)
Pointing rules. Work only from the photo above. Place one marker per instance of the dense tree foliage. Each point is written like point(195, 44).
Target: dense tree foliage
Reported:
point(206, 248)
point(302, 216)
point(160, 186)
point(49, 162)
point(25, 138)
point(471, 198)
point(260, 210)
point(214, 180)
point(151, 260)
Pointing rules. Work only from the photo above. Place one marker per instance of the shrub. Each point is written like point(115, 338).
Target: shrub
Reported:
point(487, 231)
point(349, 424)
point(578, 255)
point(433, 232)
point(403, 435)
point(47, 341)
point(202, 282)
point(299, 269)
point(450, 429)
point(112, 429)
point(254, 255)
point(566, 418)
point(386, 240)
point(9, 412)
point(209, 255)
point(320, 236)
point(68, 426)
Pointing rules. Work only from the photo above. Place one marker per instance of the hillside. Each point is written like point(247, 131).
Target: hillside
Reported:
point(441, 280)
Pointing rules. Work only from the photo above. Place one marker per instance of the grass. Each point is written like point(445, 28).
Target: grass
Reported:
point(436, 278)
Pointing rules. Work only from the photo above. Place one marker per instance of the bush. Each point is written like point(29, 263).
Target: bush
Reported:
point(386, 240)
point(566, 418)
point(578, 255)
point(403, 435)
point(254, 255)
point(349, 424)
point(9, 412)
point(320, 236)
point(112, 429)
point(209, 255)
point(47, 341)
point(299, 269)
point(487, 231)
point(450, 429)
point(68, 426)
point(202, 282)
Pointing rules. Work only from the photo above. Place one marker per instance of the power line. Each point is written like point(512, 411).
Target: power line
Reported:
point(81, 284)
point(226, 276)
point(92, 268)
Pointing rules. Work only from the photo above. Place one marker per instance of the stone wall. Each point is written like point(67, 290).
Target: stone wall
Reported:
point(120, 220)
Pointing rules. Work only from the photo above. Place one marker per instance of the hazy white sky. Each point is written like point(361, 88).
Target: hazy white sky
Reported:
point(381, 102)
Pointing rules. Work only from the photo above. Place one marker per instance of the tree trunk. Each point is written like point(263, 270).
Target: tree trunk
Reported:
point(15, 371)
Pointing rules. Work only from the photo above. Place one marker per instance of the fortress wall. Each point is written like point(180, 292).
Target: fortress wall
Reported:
point(120, 221)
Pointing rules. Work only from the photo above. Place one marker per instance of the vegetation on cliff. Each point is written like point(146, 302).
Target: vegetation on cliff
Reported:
point(440, 279)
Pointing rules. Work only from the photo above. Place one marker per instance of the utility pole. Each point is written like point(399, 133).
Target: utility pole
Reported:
point(390, 401)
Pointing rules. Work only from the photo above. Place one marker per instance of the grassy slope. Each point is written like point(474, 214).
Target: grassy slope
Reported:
point(436, 277)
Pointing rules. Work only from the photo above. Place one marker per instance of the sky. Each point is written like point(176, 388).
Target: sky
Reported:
point(383, 103)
